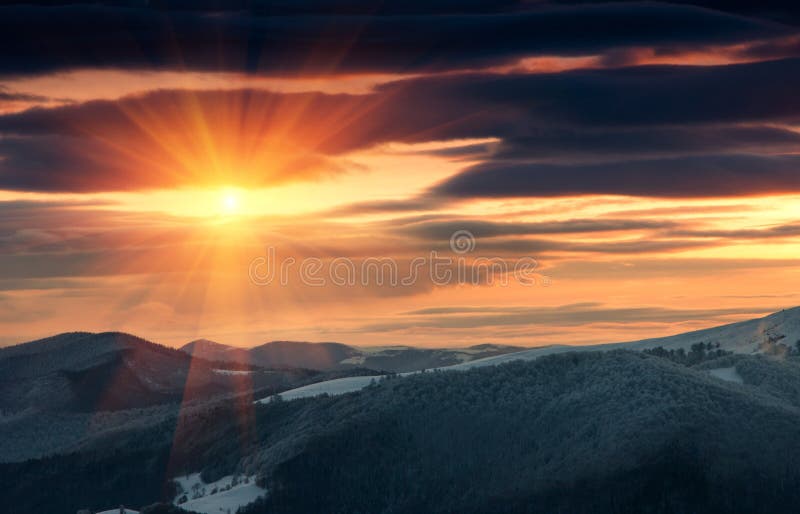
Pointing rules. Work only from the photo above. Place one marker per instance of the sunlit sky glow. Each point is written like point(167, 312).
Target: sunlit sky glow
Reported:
point(652, 174)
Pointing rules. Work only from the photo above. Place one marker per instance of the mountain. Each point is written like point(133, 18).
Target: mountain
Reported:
point(698, 422)
point(583, 432)
point(213, 351)
point(276, 354)
point(337, 356)
point(112, 371)
point(775, 334)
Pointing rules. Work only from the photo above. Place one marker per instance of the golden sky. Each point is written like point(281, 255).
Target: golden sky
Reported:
point(652, 182)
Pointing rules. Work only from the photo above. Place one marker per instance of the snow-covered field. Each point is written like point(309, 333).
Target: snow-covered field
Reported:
point(743, 337)
point(116, 511)
point(224, 496)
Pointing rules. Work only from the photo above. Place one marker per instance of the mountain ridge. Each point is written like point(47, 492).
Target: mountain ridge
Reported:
point(339, 356)
point(768, 334)
point(79, 371)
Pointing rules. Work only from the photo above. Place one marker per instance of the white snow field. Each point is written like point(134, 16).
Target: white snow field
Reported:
point(227, 501)
point(727, 374)
point(231, 372)
point(220, 497)
point(337, 386)
point(116, 511)
point(742, 337)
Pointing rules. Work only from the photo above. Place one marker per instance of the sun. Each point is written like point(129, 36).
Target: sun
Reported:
point(230, 202)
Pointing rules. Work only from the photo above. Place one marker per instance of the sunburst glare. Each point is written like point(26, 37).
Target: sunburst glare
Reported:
point(230, 202)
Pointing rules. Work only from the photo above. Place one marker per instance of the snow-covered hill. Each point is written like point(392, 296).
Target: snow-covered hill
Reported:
point(746, 337)
point(780, 329)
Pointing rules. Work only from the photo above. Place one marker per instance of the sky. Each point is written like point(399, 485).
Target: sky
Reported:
point(407, 172)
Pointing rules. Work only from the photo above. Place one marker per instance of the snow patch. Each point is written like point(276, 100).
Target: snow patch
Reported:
point(231, 372)
point(357, 360)
point(331, 387)
point(226, 501)
point(727, 374)
point(224, 495)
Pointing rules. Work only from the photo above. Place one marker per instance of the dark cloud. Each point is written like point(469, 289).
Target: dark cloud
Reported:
point(286, 38)
point(779, 10)
point(700, 176)
point(472, 151)
point(442, 230)
point(593, 144)
point(296, 7)
point(674, 131)
point(526, 104)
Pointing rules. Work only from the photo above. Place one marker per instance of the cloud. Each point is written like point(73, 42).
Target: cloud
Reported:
point(12, 96)
point(592, 144)
point(673, 269)
point(640, 96)
point(566, 316)
point(442, 230)
point(174, 138)
point(674, 131)
point(790, 230)
point(296, 39)
point(700, 176)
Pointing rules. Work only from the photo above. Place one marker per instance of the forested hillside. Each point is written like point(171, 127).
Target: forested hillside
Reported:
point(581, 432)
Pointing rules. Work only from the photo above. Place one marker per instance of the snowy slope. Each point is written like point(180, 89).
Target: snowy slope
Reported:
point(743, 337)
point(337, 386)
point(727, 374)
point(226, 501)
point(782, 327)
point(225, 495)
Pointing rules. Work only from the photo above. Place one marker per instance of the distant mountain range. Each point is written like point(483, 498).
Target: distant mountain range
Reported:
point(88, 372)
point(337, 356)
point(81, 371)
point(775, 334)
point(110, 371)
